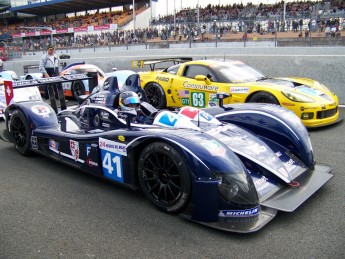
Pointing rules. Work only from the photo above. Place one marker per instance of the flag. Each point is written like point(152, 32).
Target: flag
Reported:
point(183, 93)
point(8, 91)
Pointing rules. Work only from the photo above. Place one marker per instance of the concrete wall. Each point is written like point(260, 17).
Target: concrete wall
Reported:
point(325, 64)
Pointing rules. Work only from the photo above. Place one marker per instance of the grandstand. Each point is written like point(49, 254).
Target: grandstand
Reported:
point(78, 23)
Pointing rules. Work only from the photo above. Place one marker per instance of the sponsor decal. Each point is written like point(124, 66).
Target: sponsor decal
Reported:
point(215, 148)
point(213, 98)
point(161, 78)
point(290, 164)
point(50, 80)
point(74, 147)
point(190, 112)
point(53, 145)
point(312, 108)
point(34, 144)
point(91, 163)
point(169, 119)
point(40, 110)
point(239, 90)
point(111, 155)
point(104, 115)
point(88, 149)
point(239, 213)
point(121, 138)
point(261, 183)
point(96, 121)
point(188, 85)
point(77, 76)
point(116, 147)
point(105, 125)
point(183, 93)
point(185, 101)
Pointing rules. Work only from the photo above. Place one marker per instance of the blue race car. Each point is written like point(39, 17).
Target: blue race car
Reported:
point(229, 167)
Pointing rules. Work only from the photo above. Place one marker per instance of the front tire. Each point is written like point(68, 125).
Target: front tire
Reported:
point(78, 89)
point(164, 177)
point(156, 96)
point(263, 97)
point(20, 132)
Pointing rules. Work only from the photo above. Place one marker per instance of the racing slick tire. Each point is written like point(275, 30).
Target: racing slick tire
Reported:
point(263, 97)
point(164, 177)
point(78, 89)
point(156, 96)
point(20, 132)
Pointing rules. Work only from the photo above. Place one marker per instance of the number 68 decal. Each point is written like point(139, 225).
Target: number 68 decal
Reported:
point(112, 165)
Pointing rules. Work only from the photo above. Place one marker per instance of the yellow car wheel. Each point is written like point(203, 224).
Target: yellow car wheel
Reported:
point(156, 95)
point(263, 97)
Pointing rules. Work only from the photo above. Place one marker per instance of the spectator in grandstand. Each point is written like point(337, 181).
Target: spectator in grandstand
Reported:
point(49, 66)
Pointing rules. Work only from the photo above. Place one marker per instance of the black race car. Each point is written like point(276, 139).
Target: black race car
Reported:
point(230, 167)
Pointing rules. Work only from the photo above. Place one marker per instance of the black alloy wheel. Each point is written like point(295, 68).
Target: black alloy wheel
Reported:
point(20, 132)
point(164, 177)
point(155, 95)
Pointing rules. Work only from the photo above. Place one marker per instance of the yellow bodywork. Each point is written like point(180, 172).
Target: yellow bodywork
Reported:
point(311, 101)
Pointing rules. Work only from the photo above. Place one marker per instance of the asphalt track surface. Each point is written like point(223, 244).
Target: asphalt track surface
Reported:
point(49, 210)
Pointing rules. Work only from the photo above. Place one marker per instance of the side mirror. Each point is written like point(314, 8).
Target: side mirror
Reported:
point(221, 97)
point(203, 78)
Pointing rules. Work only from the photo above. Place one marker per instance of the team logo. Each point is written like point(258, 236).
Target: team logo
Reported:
point(74, 147)
point(40, 110)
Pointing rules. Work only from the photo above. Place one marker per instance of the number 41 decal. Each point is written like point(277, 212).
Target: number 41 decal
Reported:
point(112, 166)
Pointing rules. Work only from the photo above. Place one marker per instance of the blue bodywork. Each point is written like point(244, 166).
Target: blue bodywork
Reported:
point(245, 162)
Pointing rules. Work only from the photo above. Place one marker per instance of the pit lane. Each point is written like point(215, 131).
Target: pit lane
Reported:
point(49, 210)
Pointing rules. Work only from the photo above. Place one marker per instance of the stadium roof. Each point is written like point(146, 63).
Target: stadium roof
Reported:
point(52, 7)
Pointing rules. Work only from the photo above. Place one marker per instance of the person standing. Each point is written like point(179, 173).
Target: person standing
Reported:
point(49, 66)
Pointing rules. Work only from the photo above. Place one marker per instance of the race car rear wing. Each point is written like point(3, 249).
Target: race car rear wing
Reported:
point(152, 62)
point(10, 86)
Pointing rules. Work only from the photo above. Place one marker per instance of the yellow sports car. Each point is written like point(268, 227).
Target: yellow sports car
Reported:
point(195, 83)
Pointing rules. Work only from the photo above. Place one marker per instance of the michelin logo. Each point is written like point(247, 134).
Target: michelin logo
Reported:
point(239, 213)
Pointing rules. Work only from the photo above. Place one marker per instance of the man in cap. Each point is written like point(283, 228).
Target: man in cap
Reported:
point(49, 65)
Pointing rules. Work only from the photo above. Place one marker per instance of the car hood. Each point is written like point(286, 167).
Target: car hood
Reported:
point(305, 86)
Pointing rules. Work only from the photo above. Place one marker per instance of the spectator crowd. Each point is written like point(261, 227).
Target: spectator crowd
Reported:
point(322, 16)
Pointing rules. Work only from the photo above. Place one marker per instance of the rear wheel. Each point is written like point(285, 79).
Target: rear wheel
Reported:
point(20, 132)
point(263, 97)
point(164, 177)
point(156, 96)
point(78, 89)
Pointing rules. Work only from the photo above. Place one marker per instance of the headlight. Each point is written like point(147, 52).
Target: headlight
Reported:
point(297, 97)
point(237, 188)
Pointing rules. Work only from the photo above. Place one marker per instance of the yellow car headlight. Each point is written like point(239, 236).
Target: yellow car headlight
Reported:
point(297, 97)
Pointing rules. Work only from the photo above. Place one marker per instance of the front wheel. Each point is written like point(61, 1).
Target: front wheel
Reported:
point(164, 177)
point(20, 133)
point(156, 96)
point(78, 89)
point(263, 97)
